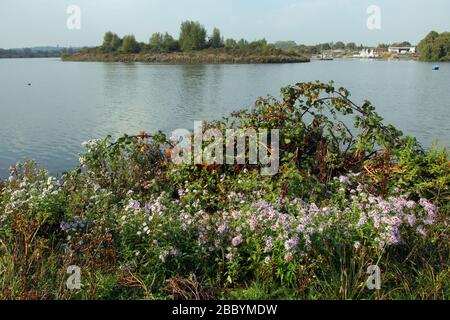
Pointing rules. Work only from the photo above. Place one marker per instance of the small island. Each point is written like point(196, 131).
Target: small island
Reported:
point(193, 46)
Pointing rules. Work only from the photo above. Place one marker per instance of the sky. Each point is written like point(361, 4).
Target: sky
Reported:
point(28, 23)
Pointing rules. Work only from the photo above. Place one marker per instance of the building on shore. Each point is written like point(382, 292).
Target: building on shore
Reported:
point(402, 50)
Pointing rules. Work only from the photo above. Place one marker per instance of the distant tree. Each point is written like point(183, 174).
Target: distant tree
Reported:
point(242, 44)
point(258, 44)
point(307, 50)
point(339, 45)
point(216, 40)
point(130, 45)
point(285, 45)
point(192, 36)
point(107, 41)
point(163, 42)
point(325, 46)
point(402, 44)
point(169, 43)
point(230, 43)
point(435, 47)
point(351, 46)
point(116, 42)
point(111, 42)
point(156, 41)
point(27, 53)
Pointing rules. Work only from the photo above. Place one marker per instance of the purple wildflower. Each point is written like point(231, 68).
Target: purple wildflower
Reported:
point(345, 180)
point(236, 241)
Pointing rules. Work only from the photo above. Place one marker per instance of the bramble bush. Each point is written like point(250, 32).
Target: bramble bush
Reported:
point(348, 194)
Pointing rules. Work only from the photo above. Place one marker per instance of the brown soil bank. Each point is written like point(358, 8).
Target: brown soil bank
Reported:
point(187, 57)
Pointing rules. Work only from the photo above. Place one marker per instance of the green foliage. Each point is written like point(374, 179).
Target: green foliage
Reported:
point(425, 173)
point(116, 42)
point(401, 44)
point(192, 39)
point(163, 43)
point(435, 47)
point(285, 45)
point(350, 192)
point(111, 42)
point(325, 46)
point(351, 46)
point(216, 40)
point(339, 45)
point(242, 43)
point(129, 45)
point(107, 40)
point(169, 43)
point(230, 44)
point(192, 36)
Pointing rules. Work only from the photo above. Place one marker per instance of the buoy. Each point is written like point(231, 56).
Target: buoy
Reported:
point(29, 84)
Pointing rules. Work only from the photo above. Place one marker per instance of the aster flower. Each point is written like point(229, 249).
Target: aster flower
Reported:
point(291, 243)
point(236, 241)
point(345, 180)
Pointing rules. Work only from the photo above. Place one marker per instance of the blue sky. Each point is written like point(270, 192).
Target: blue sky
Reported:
point(25, 23)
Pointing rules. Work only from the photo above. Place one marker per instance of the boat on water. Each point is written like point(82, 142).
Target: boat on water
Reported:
point(435, 67)
point(323, 58)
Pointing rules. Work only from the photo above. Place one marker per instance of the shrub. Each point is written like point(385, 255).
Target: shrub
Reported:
point(348, 194)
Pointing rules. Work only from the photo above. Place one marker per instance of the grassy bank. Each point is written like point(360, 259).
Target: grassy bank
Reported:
point(141, 227)
point(210, 56)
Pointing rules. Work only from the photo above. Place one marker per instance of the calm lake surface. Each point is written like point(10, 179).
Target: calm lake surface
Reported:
point(71, 102)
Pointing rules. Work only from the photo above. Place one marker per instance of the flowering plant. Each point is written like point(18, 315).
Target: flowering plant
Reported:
point(138, 225)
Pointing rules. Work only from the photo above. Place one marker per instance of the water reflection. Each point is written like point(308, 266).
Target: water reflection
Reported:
point(72, 102)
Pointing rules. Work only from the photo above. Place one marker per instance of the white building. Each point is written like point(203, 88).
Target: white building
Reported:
point(402, 50)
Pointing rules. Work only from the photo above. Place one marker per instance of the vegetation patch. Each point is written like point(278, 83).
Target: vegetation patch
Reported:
point(435, 47)
point(351, 192)
point(193, 46)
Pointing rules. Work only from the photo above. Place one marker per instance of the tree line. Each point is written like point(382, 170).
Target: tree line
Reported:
point(327, 46)
point(193, 37)
point(435, 47)
point(35, 52)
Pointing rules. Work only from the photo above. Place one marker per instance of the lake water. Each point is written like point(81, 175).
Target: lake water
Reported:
point(71, 102)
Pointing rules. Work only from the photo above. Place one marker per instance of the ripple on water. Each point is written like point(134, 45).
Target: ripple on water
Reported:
point(73, 102)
